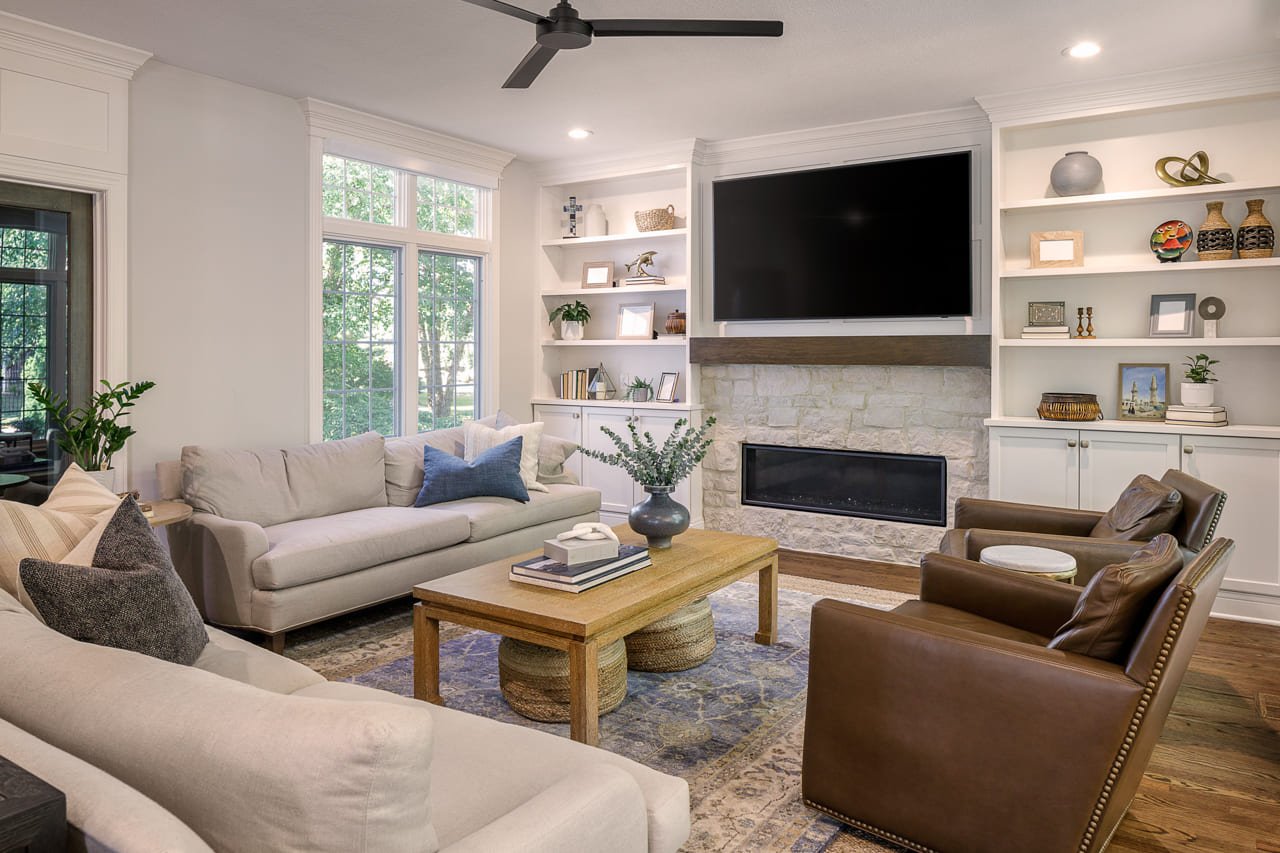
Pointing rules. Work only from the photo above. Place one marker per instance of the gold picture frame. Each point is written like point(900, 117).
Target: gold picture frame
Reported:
point(597, 274)
point(1054, 249)
point(1142, 392)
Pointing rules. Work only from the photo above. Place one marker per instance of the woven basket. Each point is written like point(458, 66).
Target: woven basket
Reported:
point(674, 643)
point(535, 679)
point(656, 219)
point(1069, 407)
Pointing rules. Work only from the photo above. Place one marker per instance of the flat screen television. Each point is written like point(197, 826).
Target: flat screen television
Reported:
point(885, 239)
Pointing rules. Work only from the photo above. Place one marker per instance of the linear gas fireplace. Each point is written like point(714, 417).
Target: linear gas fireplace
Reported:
point(886, 486)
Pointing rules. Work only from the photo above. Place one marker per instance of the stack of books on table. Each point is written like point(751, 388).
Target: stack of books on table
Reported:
point(645, 279)
point(1203, 416)
point(1047, 333)
point(545, 571)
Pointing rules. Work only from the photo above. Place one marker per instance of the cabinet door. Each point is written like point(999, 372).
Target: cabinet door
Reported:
point(616, 494)
point(563, 422)
point(659, 425)
point(1036, 466)
point(1248, 470)
point(1110, 460)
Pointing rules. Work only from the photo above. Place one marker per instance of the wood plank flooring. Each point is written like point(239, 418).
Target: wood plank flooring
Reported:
point(1213, 784)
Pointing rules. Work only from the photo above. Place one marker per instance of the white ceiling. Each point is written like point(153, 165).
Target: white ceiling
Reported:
point(440, 63)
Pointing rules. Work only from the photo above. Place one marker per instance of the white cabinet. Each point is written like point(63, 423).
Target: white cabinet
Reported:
point(563, 422)
point(1036, 466)
point(1110, 460)
point(615, 485)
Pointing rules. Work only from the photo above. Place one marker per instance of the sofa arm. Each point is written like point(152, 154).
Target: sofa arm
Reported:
point(1028, 603)
point(1003, 515)
point(1091, 555)
point(598, 808)
point(930, 732)
point(214, 556)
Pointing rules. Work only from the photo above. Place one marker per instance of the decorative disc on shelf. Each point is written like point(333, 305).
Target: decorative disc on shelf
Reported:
point(1212, 308)
point(1170, 240)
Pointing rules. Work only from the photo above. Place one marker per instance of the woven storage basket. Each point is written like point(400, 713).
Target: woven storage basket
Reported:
point(656, 219)
point(535, 679)
point(677, 642)
point(1069, 407)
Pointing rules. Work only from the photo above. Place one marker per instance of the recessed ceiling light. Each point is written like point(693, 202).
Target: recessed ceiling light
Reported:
point(579, 133)
point(1083, 50)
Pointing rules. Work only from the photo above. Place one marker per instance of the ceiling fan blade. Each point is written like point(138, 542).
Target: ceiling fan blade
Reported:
point(530, 67)
point(508, 9)
point(632, 27)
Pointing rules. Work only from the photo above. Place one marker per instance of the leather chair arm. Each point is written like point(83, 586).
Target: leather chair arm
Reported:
point(1091, 555)
point(890, 695)
point(1028, 603)
point(1003, 515)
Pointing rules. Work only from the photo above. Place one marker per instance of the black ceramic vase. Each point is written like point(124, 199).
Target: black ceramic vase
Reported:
point(659, 517)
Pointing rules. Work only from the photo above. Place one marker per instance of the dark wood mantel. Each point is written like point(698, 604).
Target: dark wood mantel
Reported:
point(936, 350)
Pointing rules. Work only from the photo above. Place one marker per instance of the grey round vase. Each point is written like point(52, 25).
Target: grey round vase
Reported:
point(659, 517)
point(1076, 174)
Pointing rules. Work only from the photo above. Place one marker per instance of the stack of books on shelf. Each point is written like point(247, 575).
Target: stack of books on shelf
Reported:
point(1047, 333)
point(1201, 416)
point(574, 383)
point(645, 279)
point(553, 574)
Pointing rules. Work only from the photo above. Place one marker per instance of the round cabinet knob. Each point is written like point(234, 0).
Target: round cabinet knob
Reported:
point(1189, 449)
point(1071, 442)
point(1084, 442)
point(576, 415)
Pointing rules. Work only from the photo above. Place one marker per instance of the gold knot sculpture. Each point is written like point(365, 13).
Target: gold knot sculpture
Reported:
point(1194, 171)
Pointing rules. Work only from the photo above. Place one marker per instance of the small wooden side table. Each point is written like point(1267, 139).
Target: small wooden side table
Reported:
point(165, 513)
point(33, 813)
point(1030, 560)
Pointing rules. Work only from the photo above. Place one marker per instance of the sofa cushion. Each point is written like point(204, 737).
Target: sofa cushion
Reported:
point(337, 476)
point(1145, 509)
point(491, 516)
point(403, 459)
point(941, 614)
point(312, 549)
point(495, 472)
point(249, 663)
point(245, 768)
point(1117, 602)
point(478, 438)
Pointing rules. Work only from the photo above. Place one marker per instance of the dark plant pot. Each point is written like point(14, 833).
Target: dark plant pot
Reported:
point(659, 517)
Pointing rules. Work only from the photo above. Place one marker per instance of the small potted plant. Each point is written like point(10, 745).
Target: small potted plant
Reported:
point(639, 390)
point(1197, 390)
point(573, 317)
point(91, 434)
point(658, 470)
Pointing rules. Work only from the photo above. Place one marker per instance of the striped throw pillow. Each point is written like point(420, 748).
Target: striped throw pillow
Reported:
point(79, 493)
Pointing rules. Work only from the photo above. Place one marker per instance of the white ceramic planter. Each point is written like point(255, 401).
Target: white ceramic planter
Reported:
point(570, 330)
point(1197, 394)
point(107, 478)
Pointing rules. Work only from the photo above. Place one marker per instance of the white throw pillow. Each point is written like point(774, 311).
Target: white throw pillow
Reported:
point(477, 438)
point(77, 492)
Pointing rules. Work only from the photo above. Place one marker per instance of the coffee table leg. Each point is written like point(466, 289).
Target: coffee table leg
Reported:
point(584, 693)
point(768, 633)
point(426, 656)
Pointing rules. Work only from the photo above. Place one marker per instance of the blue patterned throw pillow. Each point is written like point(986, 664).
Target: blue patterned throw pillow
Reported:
point(494, 473)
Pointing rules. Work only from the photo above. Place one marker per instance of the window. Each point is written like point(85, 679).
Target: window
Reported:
point(361, 191)
point(448, 290)
point(446, 207)
point(24, 325)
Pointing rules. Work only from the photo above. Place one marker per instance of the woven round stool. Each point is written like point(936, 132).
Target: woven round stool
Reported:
point(674, 643)
point(535, 679)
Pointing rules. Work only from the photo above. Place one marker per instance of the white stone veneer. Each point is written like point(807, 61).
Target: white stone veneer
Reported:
point(931, 410)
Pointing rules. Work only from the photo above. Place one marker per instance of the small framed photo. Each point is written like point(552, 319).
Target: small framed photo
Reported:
point(1046, 313)
point(1171, 315)
point(1143, 392)
point(1051, 249)
point(597, 274)
point(667, 387)
point(635, 322)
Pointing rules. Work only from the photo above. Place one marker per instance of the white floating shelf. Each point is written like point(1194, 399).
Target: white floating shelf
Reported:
point(616, 238)
point(1153, 267)
point(615, 291)
point(615, 404)
point(1234, 189)
point(607, 342)
point(1077, 343)
point(1237, 430)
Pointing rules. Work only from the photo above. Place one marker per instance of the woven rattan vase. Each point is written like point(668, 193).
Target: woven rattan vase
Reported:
point(1257, 239)
point(535, 679)
point(674, 643)
point(1215, 240)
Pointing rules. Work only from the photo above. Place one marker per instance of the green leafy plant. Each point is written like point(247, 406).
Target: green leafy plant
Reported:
point(639, 384)
point(574, 312)
point(651, 465)
point(1200, 368)
point(91, 434)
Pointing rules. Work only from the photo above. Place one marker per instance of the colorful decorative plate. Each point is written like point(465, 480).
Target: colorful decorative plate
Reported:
point(1171, 239)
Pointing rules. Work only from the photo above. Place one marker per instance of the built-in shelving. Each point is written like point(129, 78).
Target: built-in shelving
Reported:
point(1232, 430)
point(610, 342)
point(604, 239)
point(1235, 265)
point(1158, 194)
point(1183, 343)
point(616, 291)
point(614, 404)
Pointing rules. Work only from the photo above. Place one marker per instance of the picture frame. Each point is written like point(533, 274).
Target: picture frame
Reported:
point(1046, 313)
point(597, 274)
point(635, 322)
point(1052, 249)
point(667, 387)
point(1172, 315)
point(1142, 391)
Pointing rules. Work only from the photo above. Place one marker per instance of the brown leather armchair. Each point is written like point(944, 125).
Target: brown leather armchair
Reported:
point(980, 523)
point(946, 725)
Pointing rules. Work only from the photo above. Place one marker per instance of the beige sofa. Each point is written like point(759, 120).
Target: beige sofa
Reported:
point(250, 751)
point(285, 538)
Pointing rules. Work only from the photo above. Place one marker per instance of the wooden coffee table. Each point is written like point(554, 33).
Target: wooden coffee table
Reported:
point(699, 562)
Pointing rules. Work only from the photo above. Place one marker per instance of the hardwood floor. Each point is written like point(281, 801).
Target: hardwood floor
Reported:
point(1213, 784)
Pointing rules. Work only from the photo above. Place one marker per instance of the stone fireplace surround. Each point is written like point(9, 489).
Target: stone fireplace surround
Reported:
point(895, 409)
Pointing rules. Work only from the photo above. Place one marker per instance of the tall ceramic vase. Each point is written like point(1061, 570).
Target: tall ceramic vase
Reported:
point(1257, 238)
point(597, 225)
point(1215, 241)
point(659, 517)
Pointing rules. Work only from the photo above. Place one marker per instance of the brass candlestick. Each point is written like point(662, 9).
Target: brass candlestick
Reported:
point(1088, 331)
point(1079, 322)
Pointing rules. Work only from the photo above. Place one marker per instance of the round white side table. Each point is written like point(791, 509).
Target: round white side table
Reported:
point(1028, 559)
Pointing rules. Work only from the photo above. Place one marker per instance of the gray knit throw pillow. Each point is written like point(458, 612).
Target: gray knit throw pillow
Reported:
point(130, 598)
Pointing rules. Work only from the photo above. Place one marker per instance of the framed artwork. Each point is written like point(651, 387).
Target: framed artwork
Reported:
point(1057, 249)
point(667, 387)
point(635, 322)
point(1171, 315)
point(1143, 392)
point(1046, 313)
point(597, 274)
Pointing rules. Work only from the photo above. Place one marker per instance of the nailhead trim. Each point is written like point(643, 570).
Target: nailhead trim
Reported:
point(1213, 525)
point(875, 830)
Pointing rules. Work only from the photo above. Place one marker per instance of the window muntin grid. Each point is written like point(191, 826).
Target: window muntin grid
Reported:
point(448, 207)
point(354, 189)
point(448, 343)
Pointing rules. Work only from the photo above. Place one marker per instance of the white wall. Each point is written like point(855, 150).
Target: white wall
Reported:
point(217, 212)
point(519, 306)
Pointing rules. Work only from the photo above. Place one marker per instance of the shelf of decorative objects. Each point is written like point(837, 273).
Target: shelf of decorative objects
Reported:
point(628, 237)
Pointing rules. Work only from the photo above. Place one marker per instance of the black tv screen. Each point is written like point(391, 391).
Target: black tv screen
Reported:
point(885, 239)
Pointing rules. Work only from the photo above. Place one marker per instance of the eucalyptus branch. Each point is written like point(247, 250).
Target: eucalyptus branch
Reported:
point(651, 465)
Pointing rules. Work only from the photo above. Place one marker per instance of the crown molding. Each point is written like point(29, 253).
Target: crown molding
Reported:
point(44, 41)
point(325, 119)
point(668, 155)
point(1237, 78)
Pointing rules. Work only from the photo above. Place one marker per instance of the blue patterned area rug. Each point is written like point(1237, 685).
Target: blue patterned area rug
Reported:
point(732, 727)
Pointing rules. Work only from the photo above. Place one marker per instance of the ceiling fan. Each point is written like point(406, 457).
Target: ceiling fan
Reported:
point(563, 29)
